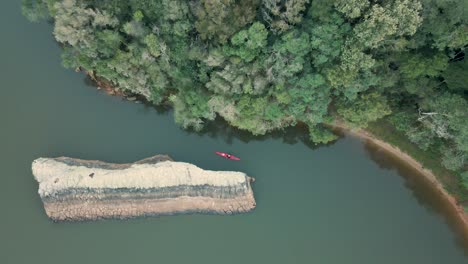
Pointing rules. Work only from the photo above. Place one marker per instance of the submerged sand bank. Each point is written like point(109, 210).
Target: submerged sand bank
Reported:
point(73, 189)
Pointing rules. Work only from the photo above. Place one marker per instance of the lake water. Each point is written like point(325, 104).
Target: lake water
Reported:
point(342, 203)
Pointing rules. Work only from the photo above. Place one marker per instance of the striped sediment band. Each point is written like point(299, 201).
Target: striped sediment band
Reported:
point(74, 189)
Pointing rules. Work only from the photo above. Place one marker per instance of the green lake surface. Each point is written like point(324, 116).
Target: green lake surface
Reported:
point(347, 202)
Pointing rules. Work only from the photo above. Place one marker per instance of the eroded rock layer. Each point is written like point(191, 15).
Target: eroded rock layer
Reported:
point(74, 189)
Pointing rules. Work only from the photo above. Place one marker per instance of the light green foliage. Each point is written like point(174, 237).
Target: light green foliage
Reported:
point(35, 10)
point(75, 24)
point(224, 107)
point(406, 122)
point(154, 47)
point(420, 136)
point(367, 108)
point(282, 14)
point(251, 115)
point(247, 44)
point(138, 16)
point(191, 109)
point(219, 19)
point(453, 159)
point(383, 23)
point(259, 115)
point(237, 79)
point(130, 72)
point(353, 59)
point(352, 8)
point(446, 116)
point(273, 112)
point(134, 28)
point(214, 58)
point(321, 135)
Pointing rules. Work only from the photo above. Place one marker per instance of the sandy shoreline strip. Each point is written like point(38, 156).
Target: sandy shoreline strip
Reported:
point(365, 135)
point(458, 210)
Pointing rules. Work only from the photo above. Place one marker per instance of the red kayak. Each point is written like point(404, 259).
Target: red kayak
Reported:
point(227, 156)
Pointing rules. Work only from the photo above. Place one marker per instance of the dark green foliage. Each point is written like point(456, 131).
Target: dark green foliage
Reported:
point(416, 65)
point(366, 108)
point(266, 65)
point(387, 23)
point(456, 76)
point(191, 109)
point(464, 178)
point(327, 39)
point(321, 135)
point(310, 98)
point(444, 24)
point(282, 14)
point(35, 10)
point(247, 44)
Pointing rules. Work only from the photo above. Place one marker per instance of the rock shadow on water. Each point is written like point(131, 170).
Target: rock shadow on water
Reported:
point(422, 189)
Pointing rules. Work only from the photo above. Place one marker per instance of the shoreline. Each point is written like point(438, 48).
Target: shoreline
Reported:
point(462, 217)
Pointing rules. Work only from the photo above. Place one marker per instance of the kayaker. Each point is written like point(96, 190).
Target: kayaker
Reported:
point(228, 156)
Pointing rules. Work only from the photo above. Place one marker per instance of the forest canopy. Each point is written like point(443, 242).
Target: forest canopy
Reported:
point(264, 65)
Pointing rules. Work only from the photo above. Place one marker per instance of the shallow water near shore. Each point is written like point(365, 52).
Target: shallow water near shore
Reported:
point(346, 202)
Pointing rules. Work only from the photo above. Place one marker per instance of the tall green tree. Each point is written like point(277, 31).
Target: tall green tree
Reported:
point(247, 44)
point(369, 107)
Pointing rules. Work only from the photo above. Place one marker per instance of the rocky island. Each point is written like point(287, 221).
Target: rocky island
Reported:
point(81, 190)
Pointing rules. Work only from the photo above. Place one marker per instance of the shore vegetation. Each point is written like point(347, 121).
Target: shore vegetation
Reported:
point(264, 65)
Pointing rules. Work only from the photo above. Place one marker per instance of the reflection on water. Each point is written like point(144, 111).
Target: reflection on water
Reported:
point(290, 135)
point(422, 189)
point(219, 128)
point(426, 194)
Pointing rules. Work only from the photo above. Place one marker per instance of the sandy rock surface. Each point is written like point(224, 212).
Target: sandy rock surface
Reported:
point(74, 189)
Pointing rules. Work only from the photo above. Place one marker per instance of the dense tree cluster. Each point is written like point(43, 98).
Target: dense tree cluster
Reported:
point(268, 64)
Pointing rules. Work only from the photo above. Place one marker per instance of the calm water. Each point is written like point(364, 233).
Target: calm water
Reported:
point(343, 203)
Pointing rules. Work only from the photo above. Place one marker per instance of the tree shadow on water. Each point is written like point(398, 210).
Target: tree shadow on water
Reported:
point(422, 189)
point(139, 99)
point(219, 128)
